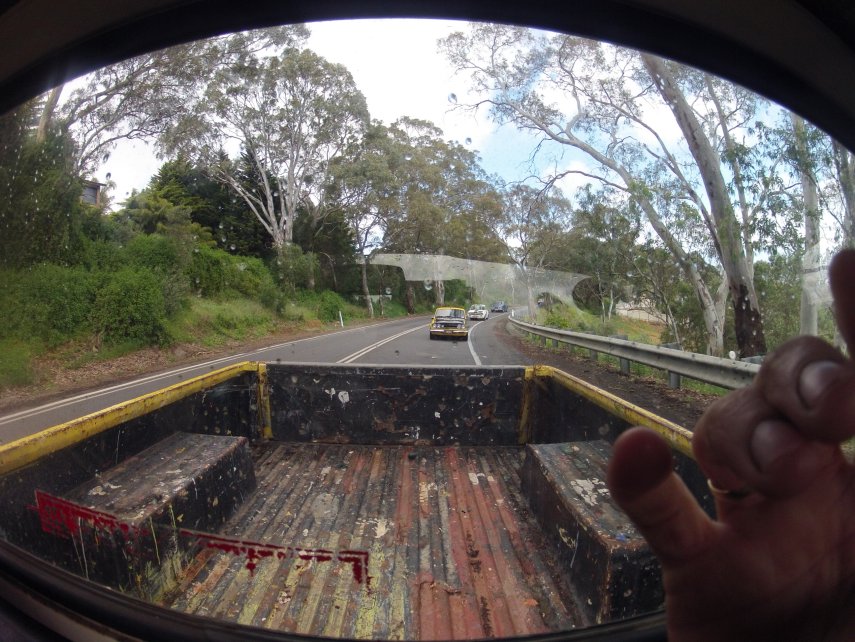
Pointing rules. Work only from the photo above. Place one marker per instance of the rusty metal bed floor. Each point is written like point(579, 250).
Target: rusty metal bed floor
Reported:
point(382, 542)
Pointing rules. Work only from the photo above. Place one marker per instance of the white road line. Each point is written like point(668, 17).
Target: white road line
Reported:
point(360, 353)
point(33, 412)
point(104, 391)
point(471, 347)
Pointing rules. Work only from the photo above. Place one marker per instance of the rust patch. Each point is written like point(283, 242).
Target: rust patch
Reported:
point(486, 621)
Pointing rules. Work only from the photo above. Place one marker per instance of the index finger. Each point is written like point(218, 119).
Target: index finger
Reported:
point(811, 385)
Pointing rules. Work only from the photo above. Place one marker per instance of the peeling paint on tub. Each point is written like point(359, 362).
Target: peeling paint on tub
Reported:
point(590, 490)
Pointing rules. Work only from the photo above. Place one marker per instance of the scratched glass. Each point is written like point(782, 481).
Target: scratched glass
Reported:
point(222, 264)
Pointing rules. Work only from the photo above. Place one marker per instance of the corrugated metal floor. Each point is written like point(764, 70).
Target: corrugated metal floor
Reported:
point(452, 549)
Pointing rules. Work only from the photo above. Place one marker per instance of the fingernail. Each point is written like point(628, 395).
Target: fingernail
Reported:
point(771, 441)
point(815, 379)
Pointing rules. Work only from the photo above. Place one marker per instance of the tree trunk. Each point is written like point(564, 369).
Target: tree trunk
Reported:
point(846, 178)
point(748, 323)
point(410, 300)
point(440, 292)
point(332, 271)
point(48, 110)
point(365, 291)
point(310, 277)
point(808, 316)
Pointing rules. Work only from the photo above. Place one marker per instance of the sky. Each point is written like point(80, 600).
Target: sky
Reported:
point(396, 64)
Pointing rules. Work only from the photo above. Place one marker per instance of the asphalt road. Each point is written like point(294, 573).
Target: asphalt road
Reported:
point(398, 342)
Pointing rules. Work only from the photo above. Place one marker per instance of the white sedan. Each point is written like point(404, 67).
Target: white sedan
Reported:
point(479, 311)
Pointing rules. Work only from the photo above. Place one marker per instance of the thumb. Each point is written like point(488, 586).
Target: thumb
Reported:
point(643, 483)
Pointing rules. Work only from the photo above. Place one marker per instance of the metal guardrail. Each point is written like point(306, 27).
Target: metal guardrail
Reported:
point(726, 373)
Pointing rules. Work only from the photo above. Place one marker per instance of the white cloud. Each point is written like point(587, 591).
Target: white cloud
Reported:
point(393, 62)
point(398, 67)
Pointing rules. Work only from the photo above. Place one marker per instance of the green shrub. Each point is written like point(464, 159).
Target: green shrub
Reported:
point(247, 275)
point(292, 268)
point(329, 305)
point(153, 251)
point(213, 272)
point(554, 319)
point(130, 307)
point(207, 271)
point(47, 302)
point(14, 363)
point(271, 297)
point(324, 305)
point(394, 308)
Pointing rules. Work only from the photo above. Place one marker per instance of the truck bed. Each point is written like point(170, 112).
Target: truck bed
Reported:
point(382, 542)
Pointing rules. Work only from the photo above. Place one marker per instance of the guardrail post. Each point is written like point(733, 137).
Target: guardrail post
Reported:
point(624, 363)
point(592, 354)
point(674, 378)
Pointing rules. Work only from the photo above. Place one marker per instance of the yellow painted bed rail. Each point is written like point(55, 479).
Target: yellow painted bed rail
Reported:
point(28, 449)
point(678, 437)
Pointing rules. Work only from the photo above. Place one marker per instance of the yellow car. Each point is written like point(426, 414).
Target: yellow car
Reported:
point(449, 322)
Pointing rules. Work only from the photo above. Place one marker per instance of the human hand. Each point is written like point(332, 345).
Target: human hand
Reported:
point(778, 563)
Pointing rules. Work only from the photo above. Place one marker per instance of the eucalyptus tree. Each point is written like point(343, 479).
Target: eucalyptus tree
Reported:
point(362, 186)
point(446, 204)
point(535, 224)
point(823, 197)
point(808, 310)
point(631, 115)
point(828, 169)
point(843, 163)
point(657, 280)
point(141, 98)
point(289, 116)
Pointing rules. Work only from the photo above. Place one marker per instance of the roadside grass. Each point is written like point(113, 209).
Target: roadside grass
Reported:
point(577, 319)
point(212, 323)
point(15, 363)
